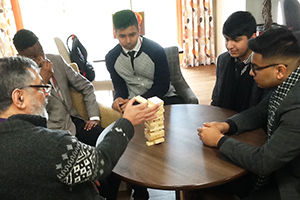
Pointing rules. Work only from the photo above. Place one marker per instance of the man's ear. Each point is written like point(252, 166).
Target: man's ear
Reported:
point(281, 71)
point(18, 98)
point(253, 36)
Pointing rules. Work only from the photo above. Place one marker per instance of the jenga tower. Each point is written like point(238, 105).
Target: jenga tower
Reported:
point(154, 129)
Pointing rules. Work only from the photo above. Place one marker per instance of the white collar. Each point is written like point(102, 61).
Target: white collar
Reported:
point(136, 48)
point(246, 61)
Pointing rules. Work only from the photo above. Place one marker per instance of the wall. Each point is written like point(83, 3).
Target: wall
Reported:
point(255, 7)
point(223, 9)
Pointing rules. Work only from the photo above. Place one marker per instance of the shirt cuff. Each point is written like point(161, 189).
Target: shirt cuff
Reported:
point(232, 127)
point(95, 118)
point(221, 141)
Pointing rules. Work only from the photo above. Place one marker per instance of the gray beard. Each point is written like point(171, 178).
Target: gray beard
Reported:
point(37, 109)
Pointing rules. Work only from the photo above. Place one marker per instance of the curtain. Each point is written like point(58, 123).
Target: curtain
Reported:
point(6, 32)
point(198, 33)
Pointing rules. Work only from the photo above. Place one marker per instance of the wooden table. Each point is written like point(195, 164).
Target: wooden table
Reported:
point(182, 162)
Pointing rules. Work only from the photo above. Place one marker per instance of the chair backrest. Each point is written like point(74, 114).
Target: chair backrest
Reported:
point(177, 80)
point(108, 115)
point(62, 49)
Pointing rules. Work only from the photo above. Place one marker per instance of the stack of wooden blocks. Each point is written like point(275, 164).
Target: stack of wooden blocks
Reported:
point(154, 129)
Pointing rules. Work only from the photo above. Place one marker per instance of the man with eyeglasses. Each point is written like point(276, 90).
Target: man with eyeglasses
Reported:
point(55, 71)
point(275, 64)
point(40, 163)
point(42, 87)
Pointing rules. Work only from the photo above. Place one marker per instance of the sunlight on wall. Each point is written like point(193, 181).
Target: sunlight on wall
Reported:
point(91, 21)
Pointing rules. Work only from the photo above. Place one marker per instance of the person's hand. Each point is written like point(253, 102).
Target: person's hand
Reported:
point(91, 124)
point(137, 114)
point(210, 135)
point(120, 104)
point(46, 70)
point(222, 126)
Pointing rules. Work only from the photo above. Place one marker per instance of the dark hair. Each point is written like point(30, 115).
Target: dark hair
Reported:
point(239, 23)
point(14, 74)
point(124, 18)
point(276, 42)
point(24, 39)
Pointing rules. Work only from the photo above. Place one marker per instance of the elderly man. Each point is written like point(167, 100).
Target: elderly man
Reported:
point(39, 163)
point(275, 64)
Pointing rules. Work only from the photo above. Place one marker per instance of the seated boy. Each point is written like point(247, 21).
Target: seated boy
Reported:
point(235, 89)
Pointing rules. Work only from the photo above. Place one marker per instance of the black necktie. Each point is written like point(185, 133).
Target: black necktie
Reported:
point(239, 66)
point(131, 54)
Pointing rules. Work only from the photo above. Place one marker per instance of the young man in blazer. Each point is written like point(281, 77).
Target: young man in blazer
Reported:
point(55, 71)
point(275, 65)
point(235, 89)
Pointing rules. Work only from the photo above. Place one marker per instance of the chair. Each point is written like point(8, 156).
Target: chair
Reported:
point(62, 49)
point(177, 80)
point(99, 85)
point(108, 115)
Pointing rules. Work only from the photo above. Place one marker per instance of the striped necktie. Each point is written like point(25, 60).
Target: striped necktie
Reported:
point(55, 87)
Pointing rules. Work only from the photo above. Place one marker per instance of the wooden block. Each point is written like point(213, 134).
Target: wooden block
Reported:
point(160, 112)
point(159, 118)
point(160, 140)
point(140, 99)
point(155, 127)
point(150, 143)
point(157, 141)
point(154, 135)
point(155, 100)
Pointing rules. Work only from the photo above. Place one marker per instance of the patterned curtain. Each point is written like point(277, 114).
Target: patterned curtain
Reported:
point(198, 33)
point(6, 33)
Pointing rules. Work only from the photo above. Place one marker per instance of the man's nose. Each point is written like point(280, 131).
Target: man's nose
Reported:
point(251, 72)
point(229, 44)
point(128, 39)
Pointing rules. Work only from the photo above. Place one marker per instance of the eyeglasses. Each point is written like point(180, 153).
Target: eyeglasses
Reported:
point(46, 87)
point(256, 68)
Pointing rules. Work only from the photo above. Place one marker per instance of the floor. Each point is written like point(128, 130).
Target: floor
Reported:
point(201, 80)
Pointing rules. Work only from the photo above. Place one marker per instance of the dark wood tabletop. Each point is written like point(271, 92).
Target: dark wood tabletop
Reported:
point(182, 162)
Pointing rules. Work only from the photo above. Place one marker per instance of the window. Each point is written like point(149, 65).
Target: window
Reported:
point(91, 21)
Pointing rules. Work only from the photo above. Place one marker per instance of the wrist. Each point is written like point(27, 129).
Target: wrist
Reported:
point(221, 141)
point(225, 127)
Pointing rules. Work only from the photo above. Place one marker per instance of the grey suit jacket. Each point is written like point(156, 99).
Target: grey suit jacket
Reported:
point(60, 109)
point(281, 154)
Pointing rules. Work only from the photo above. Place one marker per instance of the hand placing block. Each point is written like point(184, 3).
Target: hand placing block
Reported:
point(154, 129)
